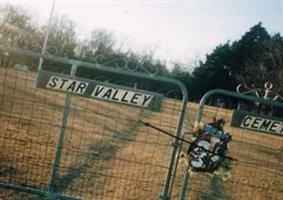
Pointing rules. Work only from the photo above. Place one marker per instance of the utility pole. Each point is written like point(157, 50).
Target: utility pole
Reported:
point(46, 35)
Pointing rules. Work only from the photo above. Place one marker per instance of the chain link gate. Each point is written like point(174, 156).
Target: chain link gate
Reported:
point(65, 146)
point(257, 172)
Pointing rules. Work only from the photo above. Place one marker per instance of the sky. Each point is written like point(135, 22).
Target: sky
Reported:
point(176, 31)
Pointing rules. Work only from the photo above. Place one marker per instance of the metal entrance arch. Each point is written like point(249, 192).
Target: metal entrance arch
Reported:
point(74, 151)
point(257, 173)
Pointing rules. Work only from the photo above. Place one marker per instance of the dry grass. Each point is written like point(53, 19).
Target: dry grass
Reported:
point(108, 155)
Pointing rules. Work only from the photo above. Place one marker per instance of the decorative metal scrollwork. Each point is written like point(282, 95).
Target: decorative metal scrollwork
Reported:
point(13, 37)
point(265, 92)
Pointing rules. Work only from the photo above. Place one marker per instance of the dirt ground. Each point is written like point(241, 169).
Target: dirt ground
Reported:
point(107, 154)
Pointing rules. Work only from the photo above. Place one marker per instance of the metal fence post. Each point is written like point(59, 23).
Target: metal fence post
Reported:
point(168, 180)
point(167, 187)
point(185, 186)
point(57, 158)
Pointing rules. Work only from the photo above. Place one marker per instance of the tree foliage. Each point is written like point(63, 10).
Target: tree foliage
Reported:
point(253, 60)
point(257, 57)
point(16, 29)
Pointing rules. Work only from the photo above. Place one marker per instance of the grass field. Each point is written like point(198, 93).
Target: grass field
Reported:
point(256, 175)
point(107, 154)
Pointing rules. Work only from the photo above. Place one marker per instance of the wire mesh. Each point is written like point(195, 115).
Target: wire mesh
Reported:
point(29, 125)
point(11, 195)
point(257, 173)
point(107, 153)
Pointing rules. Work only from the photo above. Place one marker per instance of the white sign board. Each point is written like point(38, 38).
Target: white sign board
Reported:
point(99, 90)
point(122, 96)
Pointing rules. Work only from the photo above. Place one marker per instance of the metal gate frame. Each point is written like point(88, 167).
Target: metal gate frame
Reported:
point(186, 179)
point(75, 64)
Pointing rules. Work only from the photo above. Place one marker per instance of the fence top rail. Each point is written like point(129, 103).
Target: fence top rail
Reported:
point(236, 95)
point(79, 63)
point(241, 96)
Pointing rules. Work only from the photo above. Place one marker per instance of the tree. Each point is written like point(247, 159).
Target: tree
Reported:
point(253, 60)
point(62, 39)
point(257, 58)
point(102, 49)
point(214, 72)
point(16, 30)
point(99, 49)
point(248, 55)
point(182, 74)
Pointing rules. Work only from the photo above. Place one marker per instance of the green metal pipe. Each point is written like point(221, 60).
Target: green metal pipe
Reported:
point(200, 114)
point(185, 184)
point(168, 182)
point(34, 191)
point(57, 158)
point(233, 94)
